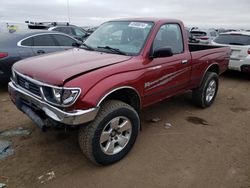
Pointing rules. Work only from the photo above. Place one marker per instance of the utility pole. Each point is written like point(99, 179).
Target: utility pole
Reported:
point(68, 10)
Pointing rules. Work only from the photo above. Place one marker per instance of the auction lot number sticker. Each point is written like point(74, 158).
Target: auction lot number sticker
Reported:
point(138, 25)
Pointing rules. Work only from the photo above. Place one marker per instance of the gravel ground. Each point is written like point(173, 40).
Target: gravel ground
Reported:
point(200, 148)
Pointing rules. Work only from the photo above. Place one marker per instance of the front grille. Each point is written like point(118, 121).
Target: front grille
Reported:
point(28, 85)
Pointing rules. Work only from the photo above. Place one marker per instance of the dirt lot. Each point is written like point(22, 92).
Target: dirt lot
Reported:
point(202, 148)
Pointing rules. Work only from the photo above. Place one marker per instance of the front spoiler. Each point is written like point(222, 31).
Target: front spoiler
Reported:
point(75, 117)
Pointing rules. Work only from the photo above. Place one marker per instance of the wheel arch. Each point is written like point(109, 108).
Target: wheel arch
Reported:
point(125, 94)
point(211, 68)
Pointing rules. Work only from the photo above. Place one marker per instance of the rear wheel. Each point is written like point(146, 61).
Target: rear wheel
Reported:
point(204, 95)
point(111, 135)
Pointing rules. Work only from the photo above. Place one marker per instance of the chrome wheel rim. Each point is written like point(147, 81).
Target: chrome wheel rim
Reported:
point(211, 90)
point(115, 135)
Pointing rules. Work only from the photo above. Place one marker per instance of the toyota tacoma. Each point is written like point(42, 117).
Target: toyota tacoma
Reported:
point(102, 85)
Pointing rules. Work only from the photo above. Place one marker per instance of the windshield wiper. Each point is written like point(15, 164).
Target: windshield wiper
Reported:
point(87, 46)
point(235, 43)
point(112, 49)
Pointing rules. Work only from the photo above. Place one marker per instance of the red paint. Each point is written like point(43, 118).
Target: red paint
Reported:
point(81, 68)
point(3, 54)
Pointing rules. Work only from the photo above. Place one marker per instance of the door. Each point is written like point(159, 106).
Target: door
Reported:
point(167, 76)
point(24, 48)
point(44, 43)
point(64, 41)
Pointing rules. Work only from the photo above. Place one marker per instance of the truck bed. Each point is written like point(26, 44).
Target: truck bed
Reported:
point(198, 47)
point(203, 56)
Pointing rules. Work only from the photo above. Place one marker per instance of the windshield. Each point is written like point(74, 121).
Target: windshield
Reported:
point(233, 39)
point(124, 36)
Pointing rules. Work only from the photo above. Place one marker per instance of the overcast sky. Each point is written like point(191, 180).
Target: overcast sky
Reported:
point(208, 13)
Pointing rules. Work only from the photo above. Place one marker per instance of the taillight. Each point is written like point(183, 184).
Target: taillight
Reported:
point(248, 51)
point(3, 54)
point(203, 38)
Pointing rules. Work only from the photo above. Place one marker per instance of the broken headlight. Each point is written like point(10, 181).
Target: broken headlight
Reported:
point(60, 96)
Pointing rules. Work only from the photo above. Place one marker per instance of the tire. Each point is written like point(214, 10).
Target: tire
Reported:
point(106, 132)
point(205, 95)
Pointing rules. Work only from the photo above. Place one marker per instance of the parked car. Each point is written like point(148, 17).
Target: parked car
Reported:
point(239, 43)
point(64, 27)
point(23, 44)
point(89, 29)
point(191, 38)
point(124, 66)
point(72, 30)
point(204, 36)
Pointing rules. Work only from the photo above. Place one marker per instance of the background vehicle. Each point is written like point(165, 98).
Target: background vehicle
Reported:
point(72, 30)
point(89, 29)
point(23, 44)
point(126, 65)
point(64, 27)
point(240, 46)
point(204, 36)
point(191, 38)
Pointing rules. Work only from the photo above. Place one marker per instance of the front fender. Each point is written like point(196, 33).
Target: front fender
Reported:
point(96, 93)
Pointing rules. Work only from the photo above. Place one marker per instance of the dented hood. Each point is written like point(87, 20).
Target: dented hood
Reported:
point(57, 67)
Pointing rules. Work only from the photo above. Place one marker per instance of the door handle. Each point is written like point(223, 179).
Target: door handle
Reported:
point(155, 67)
point(184, 61)
point(40, 51)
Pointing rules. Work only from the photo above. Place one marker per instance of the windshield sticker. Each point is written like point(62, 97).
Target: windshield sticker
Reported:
point(138, 25)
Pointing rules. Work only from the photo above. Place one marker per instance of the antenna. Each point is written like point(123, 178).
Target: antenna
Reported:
point(68, 10)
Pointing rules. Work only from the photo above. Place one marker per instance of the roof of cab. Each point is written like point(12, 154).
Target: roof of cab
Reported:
point(149, 19)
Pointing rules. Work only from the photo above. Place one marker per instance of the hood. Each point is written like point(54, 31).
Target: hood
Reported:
point(57, 67)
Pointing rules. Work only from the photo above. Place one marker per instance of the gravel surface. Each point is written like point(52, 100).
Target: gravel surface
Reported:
point(202, 148)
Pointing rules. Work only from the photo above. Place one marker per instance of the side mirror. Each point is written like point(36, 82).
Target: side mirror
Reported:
point(162, 52)
point(77, 44)
point(86, 34)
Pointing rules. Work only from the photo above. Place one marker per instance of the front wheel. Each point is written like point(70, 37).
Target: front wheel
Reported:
point(204, 95)
point(111, 135)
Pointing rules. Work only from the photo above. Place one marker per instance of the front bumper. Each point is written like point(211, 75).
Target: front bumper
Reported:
point(75, 117)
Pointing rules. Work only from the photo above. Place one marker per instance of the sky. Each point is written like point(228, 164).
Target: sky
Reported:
point(209, 13)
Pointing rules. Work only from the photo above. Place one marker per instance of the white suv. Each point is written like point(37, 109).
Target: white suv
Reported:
point(240, 46)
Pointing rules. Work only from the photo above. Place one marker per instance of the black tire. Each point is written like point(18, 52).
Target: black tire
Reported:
point(199, 94)
point(90, 135)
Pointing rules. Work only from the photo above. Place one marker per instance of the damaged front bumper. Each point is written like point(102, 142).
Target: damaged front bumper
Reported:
point(25, 102)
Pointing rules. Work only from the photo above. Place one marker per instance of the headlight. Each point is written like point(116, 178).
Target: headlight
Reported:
point(61, 96)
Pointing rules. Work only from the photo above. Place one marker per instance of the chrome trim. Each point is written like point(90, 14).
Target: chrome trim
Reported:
point(20, 45)
point(35, 81)
point(75, 117)
point(27, 91)
point(41, 84)
point(116, 89)
point(62, 105)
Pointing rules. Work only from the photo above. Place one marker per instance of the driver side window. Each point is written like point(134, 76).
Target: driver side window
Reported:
point(169, 36)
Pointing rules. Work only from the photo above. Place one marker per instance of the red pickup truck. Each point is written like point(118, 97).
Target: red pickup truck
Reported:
point(124, 66)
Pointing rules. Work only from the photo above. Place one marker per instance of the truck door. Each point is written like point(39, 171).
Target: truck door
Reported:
point(166, 76)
